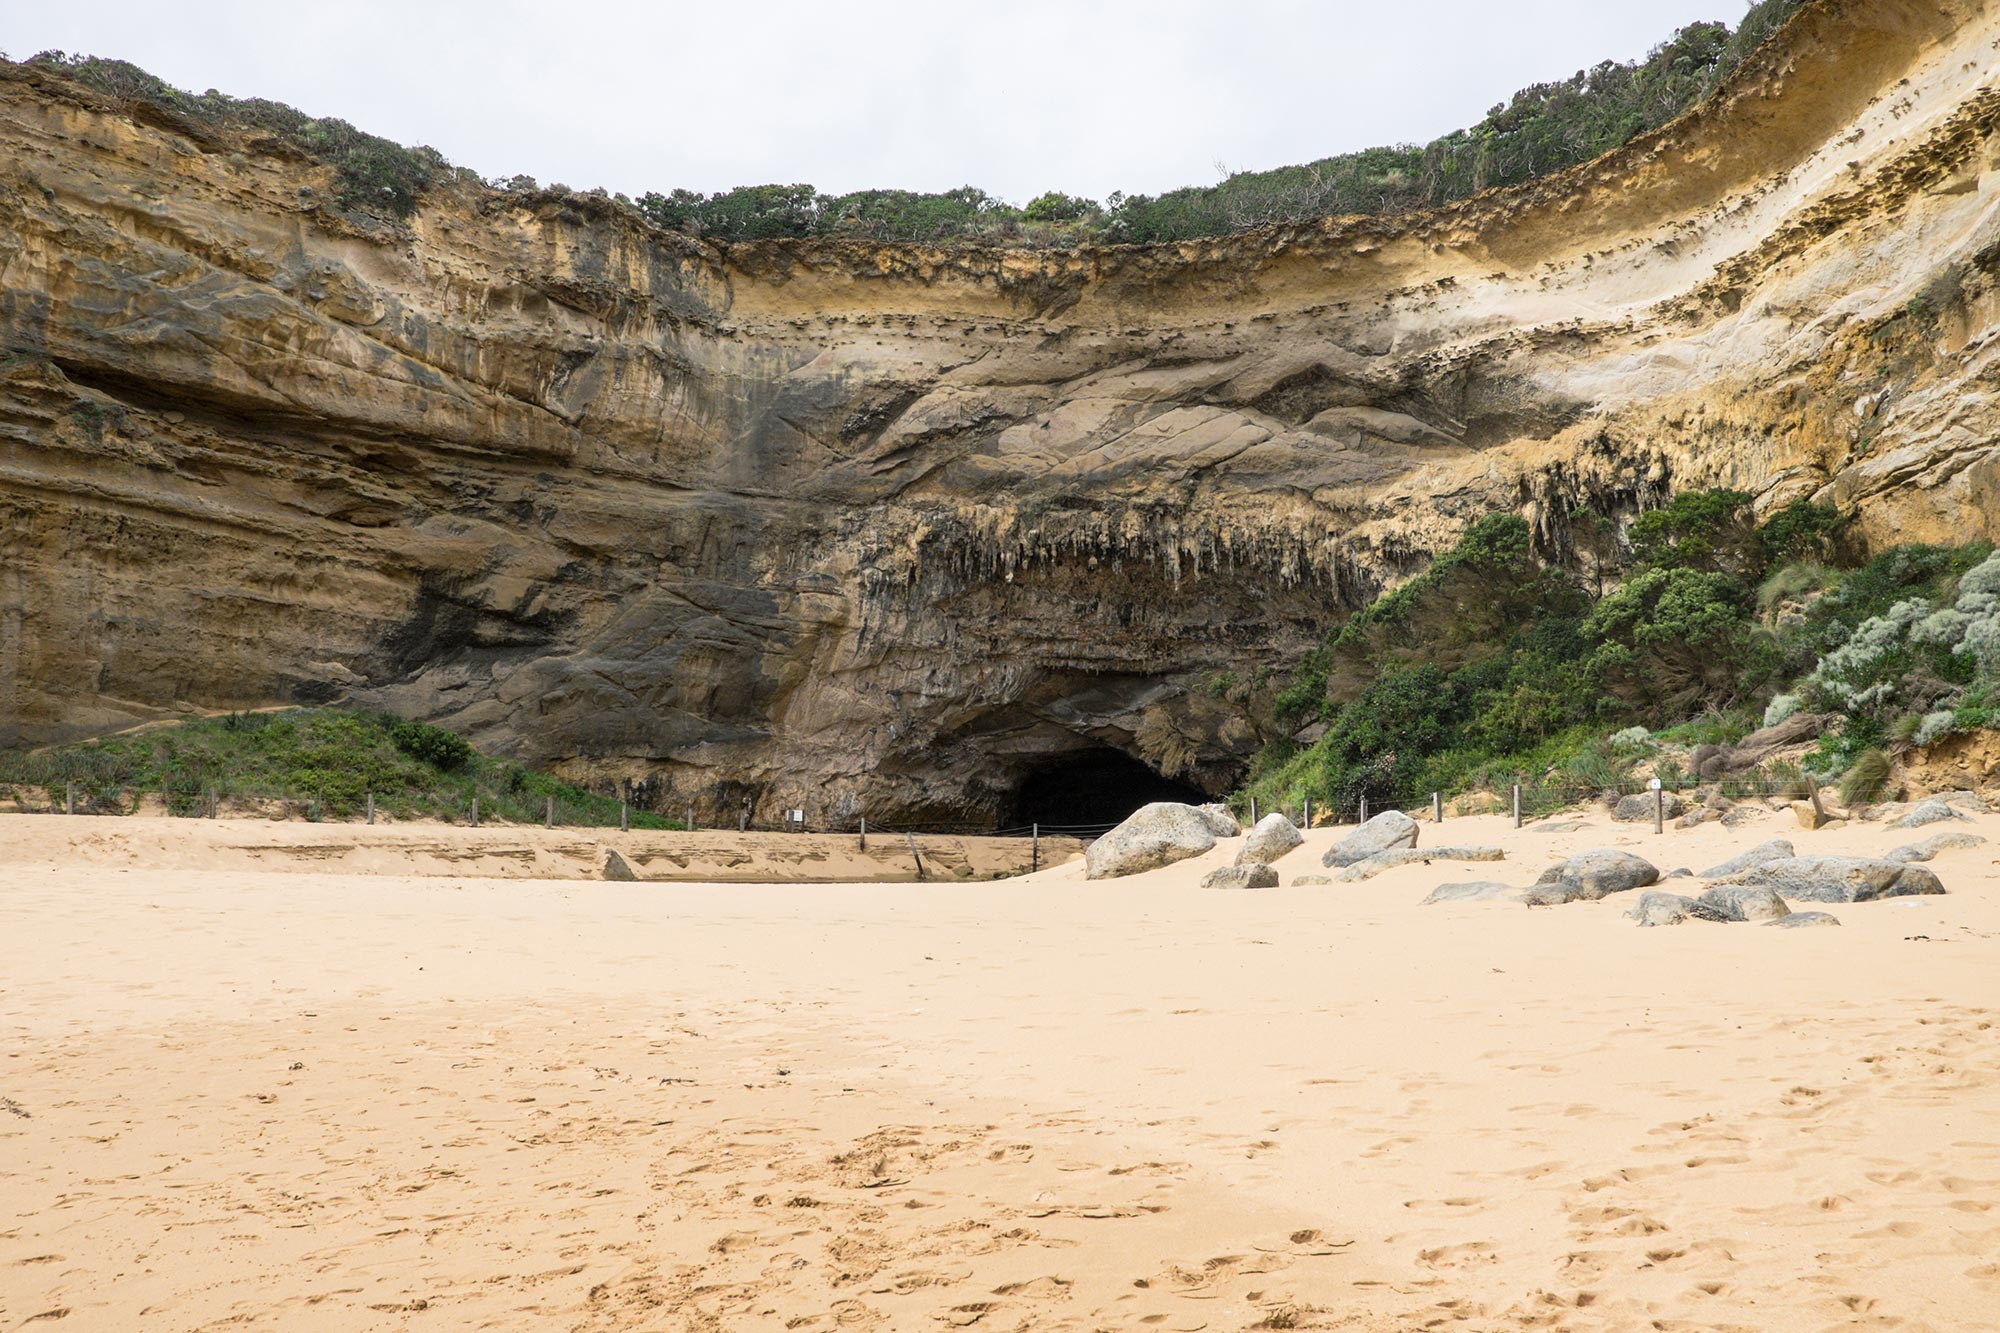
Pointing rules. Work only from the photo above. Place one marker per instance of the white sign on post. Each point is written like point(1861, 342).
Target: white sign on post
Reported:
point(1654, 784)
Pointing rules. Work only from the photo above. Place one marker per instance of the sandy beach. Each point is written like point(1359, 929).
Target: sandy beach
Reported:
point(316, 1101)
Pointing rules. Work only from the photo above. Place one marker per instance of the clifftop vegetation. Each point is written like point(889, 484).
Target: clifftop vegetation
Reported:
point(1539, 130)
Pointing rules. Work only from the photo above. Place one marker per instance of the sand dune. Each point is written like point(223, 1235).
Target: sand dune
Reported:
point(319, 1101)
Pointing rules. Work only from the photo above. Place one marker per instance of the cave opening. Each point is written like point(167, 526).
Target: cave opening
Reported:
point(1095, 786)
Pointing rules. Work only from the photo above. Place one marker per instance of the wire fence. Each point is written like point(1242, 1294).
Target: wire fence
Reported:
point(87, 798)
point(1530, 801)
point(1537, 800)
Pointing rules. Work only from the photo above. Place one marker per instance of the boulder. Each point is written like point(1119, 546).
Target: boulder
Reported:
point(1777, 849)
point(1695, 818)
point(1707, 761)
point(1221, 822)
point(1740, 902)
point(1474, 891)
point(616, 867)
point(1932, 811)
point(1841, 879)
point(1385, 832)
point(1739, 815)
point(1796, 920)
point(1591, 875)
point(1931, 846)
point(1273, 836)
point(1639, 809)
point(1152, 836)
point(1404, 856)
point(1661, 909)
point(1304, 881)
point(1256, 875)
point(1812, 816)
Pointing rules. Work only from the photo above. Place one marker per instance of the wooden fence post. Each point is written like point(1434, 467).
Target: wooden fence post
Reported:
point(916, 855)
point(475, 812)
point(864, 833)
point(1307, 822)
point(624, 816)
point(1517, 805)
point(1364, 809)
point(1437, 807)
point(1035, 832)
point(1253, 810)
point(549, 813)
point(371, 807)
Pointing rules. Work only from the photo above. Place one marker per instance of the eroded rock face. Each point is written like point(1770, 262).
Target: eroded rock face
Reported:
point(887, 530)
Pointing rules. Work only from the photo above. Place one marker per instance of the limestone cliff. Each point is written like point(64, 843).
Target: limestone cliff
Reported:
point(846, 526)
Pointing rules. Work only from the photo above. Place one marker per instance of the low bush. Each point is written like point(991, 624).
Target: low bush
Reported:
point(431, 745)
point(324, 762)
point(1500, 665)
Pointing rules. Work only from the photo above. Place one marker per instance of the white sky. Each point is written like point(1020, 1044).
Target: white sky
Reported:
point(1085, 96)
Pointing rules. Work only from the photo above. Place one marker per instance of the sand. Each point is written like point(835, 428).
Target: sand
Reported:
point(352, 1102)
point(511, 851)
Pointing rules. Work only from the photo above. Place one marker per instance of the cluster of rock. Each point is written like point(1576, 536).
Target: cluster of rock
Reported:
point(1756, 886)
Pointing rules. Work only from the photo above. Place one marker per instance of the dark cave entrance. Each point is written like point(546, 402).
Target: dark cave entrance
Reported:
point(1095, 786)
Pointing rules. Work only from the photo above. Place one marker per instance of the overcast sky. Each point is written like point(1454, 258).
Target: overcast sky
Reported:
point(1084, 96)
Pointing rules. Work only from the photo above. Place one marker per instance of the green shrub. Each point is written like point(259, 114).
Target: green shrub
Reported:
point(1865, 777)
point(431, 745)
point(1700, 530)
point(1671, 639)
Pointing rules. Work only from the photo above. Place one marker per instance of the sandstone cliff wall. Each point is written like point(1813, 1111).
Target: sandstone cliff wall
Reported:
point(849, 526)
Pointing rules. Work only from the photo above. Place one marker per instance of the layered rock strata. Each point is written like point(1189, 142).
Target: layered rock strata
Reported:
point(921, 533)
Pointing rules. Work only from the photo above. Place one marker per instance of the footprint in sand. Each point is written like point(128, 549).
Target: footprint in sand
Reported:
point(1041, 1288)
point(1465, 1255)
